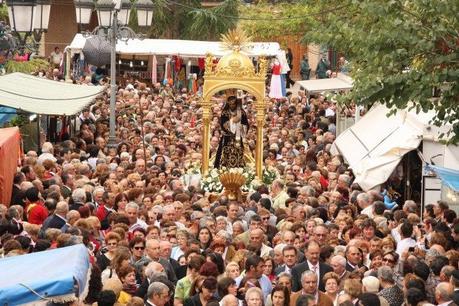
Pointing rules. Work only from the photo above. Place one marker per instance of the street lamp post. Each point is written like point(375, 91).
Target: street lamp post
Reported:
point(113, 16)
point(28, 21)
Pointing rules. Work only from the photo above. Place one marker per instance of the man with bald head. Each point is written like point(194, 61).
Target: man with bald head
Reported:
point(443, 294)
point(165, 251)
point(140, 166)
point(153, 254)
point(152, 271)
point(309, 286)
point(256, 242)
point(338, 263)
point(354, 258)
point(229, 300)
point(57, 220)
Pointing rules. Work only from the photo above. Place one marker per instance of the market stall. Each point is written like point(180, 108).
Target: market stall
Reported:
point(46, 100)
point(162, 59)
point(46, 97)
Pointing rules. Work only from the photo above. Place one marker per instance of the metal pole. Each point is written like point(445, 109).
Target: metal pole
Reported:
point(68, 63)
point(38, 135)
point(112, 137)
point(142, 132)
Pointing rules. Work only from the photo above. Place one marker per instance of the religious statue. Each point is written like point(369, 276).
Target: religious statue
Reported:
point(234, 126)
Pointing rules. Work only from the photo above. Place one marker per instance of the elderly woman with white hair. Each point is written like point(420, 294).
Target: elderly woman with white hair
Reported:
point(254, 297)
point(223, 224)
point(237, 228)
point(47, 150)
point(223, 238)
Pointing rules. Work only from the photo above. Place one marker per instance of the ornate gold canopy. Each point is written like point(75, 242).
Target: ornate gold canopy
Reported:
point(234, 70)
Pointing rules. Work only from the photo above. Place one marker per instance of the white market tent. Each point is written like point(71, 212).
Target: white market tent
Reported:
point(375, 145)
point(43, 96)
point(342, 82)
point(183, 48)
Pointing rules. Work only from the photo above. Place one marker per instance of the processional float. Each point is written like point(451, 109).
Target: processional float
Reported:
point(234, 70)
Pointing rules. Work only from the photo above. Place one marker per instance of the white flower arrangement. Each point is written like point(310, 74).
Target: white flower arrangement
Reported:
point(211, 181)
point(194, 168)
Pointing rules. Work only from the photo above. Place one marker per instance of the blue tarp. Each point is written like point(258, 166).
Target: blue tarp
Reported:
point(6, 113)
point(449, 177)
point(49, 273)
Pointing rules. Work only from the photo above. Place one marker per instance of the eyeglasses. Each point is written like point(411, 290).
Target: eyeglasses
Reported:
point(138, 248)
point(265, 218)
point(388, 260)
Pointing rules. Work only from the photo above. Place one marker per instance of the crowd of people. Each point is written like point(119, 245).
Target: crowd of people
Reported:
point(311, 238)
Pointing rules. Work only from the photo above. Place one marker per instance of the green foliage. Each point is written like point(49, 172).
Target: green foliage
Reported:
point(186, 19)
point(28, 67)
point(401, 52)
point(4, 13)
point(18, 120)
point(213, 22)
point(266, 20)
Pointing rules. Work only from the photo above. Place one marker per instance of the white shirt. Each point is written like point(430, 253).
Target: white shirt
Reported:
point(176, 252)
point(404, 245)
point(265, 250)
point(45, 156)
point(140, 223)
point(368, 211)
point(315, 268)
point(264, 281)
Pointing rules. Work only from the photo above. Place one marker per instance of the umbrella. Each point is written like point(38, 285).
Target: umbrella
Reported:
point(97, 51)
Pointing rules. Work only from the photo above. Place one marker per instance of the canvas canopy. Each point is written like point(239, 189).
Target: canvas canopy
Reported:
point(183, 48)
point(58, 275)
point(46, 97)
point(375, 145)
point(449, 177)
point(342, 82)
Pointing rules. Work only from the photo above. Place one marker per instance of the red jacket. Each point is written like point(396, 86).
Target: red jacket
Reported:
point(101, 212)
point(36, 213)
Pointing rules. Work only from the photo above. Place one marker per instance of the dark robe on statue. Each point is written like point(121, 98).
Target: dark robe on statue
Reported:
point(230, 152)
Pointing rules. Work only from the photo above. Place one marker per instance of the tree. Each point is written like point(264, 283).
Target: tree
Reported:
point(187, 19)
point(266, 19)
point(402, 53)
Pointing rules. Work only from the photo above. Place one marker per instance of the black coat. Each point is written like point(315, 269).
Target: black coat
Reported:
point(279, 270)
point(350, 268)
point(17, 196)
point(193, 301)
point(54, 221)
point(300, 268)
point(456, 296)
point(10, 226)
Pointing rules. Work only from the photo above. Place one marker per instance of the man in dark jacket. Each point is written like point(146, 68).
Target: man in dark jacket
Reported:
point(312, 263)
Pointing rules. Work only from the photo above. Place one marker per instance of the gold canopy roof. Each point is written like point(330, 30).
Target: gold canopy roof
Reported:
point(235, 64)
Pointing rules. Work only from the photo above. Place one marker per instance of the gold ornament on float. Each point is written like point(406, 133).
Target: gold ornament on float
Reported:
point(235, 40)
point(232, 183)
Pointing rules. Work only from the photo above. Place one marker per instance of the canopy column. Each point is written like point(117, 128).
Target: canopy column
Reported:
point(206, 109)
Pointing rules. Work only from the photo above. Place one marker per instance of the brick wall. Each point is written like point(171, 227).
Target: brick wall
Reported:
point(62, 25)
